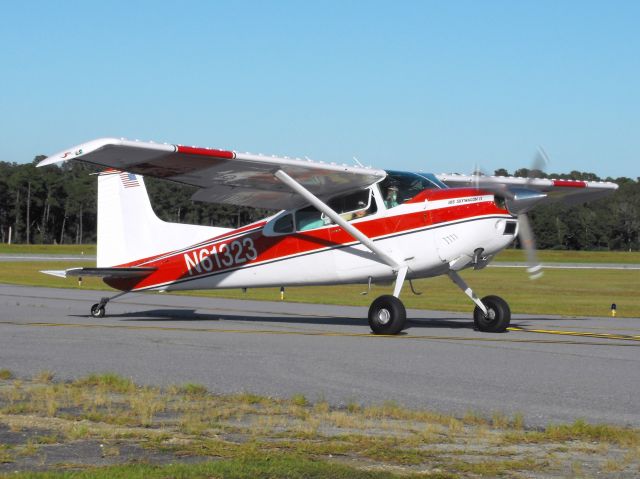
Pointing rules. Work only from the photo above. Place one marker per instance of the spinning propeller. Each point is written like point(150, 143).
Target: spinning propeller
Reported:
point(518, 201)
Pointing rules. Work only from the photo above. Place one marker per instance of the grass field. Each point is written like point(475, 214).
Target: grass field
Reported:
point(548, 256)
point(558, 256)
point(88, 249)
point(68, 429)
point(558, 292)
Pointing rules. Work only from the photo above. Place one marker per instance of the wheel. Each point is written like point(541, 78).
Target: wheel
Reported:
point(497, 321)
point(387, 315)
point(97, 311)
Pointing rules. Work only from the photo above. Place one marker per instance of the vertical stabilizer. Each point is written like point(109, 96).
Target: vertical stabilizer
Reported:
point(128, 228)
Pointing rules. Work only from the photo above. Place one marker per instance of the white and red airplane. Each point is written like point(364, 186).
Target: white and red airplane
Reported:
point(338, 224)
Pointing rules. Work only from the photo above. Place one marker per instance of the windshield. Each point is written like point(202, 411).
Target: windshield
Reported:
point(400, 186)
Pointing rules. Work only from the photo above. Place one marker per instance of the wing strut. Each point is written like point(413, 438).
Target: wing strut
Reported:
point(349, 228)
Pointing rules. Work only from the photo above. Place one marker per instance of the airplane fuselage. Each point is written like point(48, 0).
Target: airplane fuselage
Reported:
point(434, 231)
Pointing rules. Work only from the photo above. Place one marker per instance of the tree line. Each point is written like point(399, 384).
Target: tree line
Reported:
point(57, 205)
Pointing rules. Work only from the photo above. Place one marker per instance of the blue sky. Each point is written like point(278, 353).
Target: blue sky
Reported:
point(430, 86)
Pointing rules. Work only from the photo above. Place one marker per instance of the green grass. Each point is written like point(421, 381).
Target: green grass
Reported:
point(582, 430)
point(28, 273)
point(550, 256)
point(299, 400)
point(88, 249)
point(192, 389)
point(109, 381)
point(561, 256)
point(558, 292)
point(244, 436)
point(269, 466)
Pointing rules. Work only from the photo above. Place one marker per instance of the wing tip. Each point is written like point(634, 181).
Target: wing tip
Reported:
point(78, 151)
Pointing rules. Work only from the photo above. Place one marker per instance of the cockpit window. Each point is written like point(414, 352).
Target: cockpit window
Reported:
point(308, 218)
point(351, 202)
point(351, 206)
point(399, 186)
point(284, 224)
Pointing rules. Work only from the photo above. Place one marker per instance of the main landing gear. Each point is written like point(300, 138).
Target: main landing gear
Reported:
point(387, 314)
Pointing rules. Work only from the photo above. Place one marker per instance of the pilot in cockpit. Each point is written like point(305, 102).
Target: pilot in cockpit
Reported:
point(391, 197)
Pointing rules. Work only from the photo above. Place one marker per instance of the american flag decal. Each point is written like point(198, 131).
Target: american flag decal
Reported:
point(129, 180)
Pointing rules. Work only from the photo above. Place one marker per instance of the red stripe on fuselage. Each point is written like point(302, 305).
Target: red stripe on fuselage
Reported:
point(150, 259)
point(234, 250)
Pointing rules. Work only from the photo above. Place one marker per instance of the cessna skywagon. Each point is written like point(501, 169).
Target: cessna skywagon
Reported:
point(337, 224)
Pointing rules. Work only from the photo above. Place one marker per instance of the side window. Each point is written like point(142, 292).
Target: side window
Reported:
point(351, 202)
point(354, 205)
point(284, 224)
point(349, 207)
point(308, 218)
point(363, 210)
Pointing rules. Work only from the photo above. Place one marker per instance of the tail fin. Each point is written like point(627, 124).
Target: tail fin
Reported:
point(128, 228)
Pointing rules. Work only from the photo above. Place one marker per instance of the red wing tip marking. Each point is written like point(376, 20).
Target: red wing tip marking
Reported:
point(570, 183)
point(190, 150)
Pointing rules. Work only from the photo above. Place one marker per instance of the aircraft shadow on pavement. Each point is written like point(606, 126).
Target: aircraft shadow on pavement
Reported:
point(181, 314)
point(193, 315)
point(450, 323)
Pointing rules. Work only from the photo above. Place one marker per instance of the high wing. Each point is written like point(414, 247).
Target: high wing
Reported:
point(568, 191)
point(223, 176)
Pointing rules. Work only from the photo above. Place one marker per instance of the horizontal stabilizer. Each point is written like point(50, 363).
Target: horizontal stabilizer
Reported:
point(115, 273)
point(60, 273)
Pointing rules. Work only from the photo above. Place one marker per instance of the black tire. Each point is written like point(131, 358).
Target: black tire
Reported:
point(498, 319)
point(387, 315)
point(97, 311)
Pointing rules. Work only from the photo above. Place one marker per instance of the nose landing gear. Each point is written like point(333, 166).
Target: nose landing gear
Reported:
point(497, 317)
point(491, 314)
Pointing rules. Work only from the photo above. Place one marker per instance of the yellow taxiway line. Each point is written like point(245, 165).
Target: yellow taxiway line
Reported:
point(585, 334)
point(494, 339)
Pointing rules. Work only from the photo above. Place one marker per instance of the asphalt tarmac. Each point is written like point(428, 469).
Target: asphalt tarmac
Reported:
point(550, 369)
